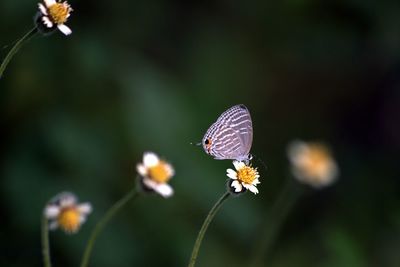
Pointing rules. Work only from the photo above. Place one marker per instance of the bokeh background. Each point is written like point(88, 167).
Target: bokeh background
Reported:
point(77, 113)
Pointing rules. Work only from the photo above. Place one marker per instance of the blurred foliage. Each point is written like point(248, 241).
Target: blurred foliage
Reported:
point(77, 113)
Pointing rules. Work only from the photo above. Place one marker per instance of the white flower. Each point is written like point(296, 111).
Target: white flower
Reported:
point(64, 212)
point(312, 163)
point(54, 14)
point(245, 177)
point(155, 174)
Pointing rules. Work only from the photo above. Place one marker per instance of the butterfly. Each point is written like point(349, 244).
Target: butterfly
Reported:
point(231, 136)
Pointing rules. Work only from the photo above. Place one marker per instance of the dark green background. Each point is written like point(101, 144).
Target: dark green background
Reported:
point(77, 113)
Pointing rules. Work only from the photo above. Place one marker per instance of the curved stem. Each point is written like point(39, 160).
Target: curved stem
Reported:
point(279, 211)
point(103, 222)
point(204, 227)
point(45, 242)
point(15, 49)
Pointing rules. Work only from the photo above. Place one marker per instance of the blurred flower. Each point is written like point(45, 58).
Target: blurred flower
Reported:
point(64, 212)
point(155, 174)
point(245, 177)
point(53, 14)
point(312, 163)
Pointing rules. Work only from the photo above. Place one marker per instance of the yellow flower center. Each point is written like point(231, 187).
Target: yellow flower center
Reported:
point(59, 12)
point(247, 174)
point(69, 219)
point(160, 173)
point(318, 162)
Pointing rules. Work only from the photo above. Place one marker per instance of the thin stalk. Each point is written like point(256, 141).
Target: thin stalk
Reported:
point(45, 242)
point(103, 222)
point(204, 227)
point(279, 212)
point(15, 49)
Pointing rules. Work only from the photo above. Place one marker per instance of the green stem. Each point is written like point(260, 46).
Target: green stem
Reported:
point(279, 211)
point(45, 242)
point(15, 49)
point(103, 222)
point(204, 227)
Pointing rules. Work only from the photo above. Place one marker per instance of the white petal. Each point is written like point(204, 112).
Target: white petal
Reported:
point(141, 169)
point(85, 208)
point(47, 22)
point(150, 159)
point(53, 225)
point(164, 190)
point(149, 183)
point(51, 211)
point(49, 3)
point(238, 164)
point(64, 29)
point(42, 9)
point(67, 200)
point(170, 169)
point(256, 181)
point(252, 188)
point(231, 174)
point(238, 186)
point(296, 149)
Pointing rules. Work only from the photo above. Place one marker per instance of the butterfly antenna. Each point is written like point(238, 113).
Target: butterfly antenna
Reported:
point(195, 144)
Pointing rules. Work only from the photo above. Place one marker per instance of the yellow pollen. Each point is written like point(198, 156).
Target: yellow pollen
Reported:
point(160, 173)
point(247, 174)
point(69, 220)
point(59, 12)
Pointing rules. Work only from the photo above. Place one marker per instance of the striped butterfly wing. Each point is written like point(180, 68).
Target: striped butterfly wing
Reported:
point(231, 136)
point(226, 143)
point(241, 122)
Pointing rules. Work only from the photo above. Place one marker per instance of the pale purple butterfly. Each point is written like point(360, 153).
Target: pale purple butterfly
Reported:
point(231, 136)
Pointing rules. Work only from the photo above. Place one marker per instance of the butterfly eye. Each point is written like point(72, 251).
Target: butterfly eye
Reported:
point(207, 142)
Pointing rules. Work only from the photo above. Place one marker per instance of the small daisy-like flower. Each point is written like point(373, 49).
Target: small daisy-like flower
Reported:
point(312, 163)
point(155, 174)
point(53, 14)
point(63, 211)
point(245, 177)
